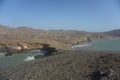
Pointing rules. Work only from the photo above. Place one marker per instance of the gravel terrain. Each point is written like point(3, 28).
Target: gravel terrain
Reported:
point(69, 65)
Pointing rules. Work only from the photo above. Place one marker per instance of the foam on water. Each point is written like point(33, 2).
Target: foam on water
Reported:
point(39, 52)
point(81, 45)
point(2, 54)
point(100, 45)
point(29, 58)
point(6, 61)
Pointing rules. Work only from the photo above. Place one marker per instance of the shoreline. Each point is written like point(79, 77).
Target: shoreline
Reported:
point(80, 45)
point(98, 44)
point(75, 63)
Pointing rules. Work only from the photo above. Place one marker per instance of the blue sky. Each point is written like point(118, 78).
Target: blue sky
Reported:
point(89, 15)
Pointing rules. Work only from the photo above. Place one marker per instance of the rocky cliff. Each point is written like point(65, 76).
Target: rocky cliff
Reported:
point(30, 37)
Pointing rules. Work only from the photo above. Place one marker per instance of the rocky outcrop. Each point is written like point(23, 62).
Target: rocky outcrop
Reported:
point(14, 47)
point(17, 46)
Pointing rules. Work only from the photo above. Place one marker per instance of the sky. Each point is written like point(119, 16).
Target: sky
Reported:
point(88, 15)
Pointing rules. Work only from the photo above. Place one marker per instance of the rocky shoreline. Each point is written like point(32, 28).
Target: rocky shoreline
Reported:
point(11, 48)
point(68, 65)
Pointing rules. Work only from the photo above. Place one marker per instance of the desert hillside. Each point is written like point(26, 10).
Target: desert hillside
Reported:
point(65, 36)
point(59, 39)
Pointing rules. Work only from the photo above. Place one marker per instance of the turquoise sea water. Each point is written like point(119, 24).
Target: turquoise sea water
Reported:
point(104, 45)
point(16, 59)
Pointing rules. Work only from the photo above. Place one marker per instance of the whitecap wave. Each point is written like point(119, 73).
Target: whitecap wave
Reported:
point(81, 45)
point(29, 58)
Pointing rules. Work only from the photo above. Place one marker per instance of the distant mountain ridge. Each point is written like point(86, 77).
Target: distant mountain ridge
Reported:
point(60, 39)
point(24, 32)
point(31, 33)
point(115, 33)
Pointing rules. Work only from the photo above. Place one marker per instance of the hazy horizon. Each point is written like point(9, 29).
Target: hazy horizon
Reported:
point(39, 28)
point(87, 15)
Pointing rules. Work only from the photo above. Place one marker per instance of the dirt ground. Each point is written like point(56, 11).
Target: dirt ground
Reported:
point(68, 65)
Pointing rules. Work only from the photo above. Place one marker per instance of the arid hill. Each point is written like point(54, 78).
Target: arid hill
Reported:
point(60, 39)
point(30, 33)
point(108, 34)
point(24, 32)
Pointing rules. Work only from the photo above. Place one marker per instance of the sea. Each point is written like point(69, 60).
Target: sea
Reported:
point(100, 45)
point(18, 58)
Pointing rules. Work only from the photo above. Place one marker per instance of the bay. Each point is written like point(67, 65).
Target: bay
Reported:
point(101, 45)
point(18, 58)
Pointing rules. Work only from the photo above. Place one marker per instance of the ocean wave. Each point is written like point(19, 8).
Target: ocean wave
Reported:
point(81, 45)
point(29, 58)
